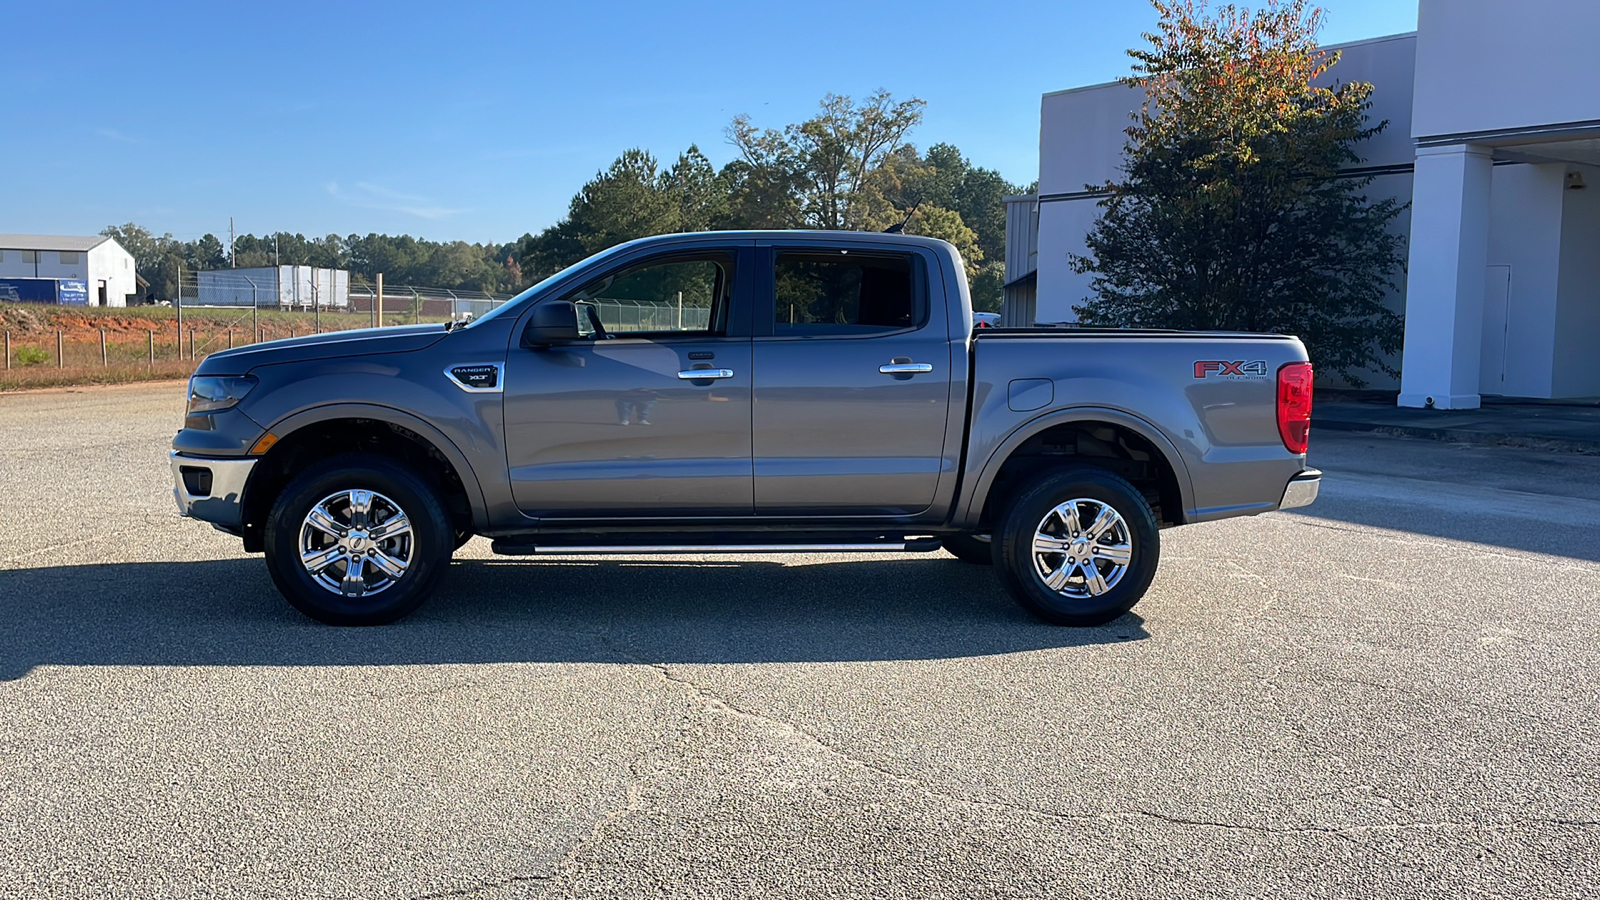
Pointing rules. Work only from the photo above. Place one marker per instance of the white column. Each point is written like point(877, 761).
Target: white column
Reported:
point(1445, 281)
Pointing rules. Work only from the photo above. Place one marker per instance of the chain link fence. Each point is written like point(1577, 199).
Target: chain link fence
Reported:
point(61, 349)
point(256, 315)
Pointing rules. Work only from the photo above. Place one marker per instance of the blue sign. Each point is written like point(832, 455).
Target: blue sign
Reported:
point(73, 293)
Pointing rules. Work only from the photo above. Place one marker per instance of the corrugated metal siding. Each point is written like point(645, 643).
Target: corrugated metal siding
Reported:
point(1022, 258)
point(1020, 305)
point(1022, 236)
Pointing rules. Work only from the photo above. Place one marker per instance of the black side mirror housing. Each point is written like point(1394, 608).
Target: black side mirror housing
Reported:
point(553, 322)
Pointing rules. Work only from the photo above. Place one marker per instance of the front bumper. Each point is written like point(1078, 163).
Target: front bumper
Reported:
point(1302, 489)
point(211, 490)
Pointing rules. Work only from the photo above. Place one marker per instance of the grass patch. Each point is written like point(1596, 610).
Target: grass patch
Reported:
point(32, 356)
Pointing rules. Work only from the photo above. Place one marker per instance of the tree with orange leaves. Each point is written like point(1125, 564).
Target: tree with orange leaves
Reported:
point(1235, 208)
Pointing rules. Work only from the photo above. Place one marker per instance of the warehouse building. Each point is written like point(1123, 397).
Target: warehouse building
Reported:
point(1494, 140)
point(78, 271)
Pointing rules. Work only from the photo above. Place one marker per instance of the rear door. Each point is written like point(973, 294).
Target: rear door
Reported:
point(852, 381)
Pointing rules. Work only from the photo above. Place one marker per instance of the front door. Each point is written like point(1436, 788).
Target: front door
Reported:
point(852, 384)
point(619, 425)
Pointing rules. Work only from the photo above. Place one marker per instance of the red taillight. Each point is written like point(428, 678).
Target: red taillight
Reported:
point(1294, 405)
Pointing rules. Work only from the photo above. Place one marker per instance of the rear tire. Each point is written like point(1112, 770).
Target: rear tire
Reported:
point(969, 548)
point(357, 541)
point(1080, 547)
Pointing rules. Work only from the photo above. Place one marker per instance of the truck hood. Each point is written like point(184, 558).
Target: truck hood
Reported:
point(333, 344)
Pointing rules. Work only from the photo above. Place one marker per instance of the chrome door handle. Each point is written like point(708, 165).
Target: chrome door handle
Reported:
point(705, 374)
point(906, 369)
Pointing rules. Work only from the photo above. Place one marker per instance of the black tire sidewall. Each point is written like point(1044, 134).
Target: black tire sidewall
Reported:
point(433, 540)
point(1014, 550)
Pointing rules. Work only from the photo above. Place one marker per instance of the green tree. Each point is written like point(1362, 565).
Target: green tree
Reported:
point(987, 286)
point(633, 198)
point(700, 195)
point(153, 256)
point(206, 253)
point(400, 258)
point(978, 194)
point(814, 170)
point(947, 225)
point(1230, 212)
point(624, 202)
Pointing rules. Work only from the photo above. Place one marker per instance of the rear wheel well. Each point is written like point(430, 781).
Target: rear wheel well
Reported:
point(300, 449)
point(1109, 446)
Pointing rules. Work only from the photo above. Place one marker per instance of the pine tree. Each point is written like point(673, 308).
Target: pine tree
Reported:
point(1232, 211)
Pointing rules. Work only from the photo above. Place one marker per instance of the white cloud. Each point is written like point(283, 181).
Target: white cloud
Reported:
point(375, 196)
point(118, 136)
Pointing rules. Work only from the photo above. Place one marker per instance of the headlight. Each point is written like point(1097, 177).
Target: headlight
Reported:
point(209, 393)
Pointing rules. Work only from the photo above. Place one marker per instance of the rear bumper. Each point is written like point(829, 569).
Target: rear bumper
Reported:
point(210, 490)
point(1302, 490)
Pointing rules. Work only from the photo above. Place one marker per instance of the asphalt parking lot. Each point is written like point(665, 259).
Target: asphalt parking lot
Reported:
point(1392, 694)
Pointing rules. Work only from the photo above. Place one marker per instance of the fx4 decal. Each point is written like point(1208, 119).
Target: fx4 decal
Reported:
point(1207, 368)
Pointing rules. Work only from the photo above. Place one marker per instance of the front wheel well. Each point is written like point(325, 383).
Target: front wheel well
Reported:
point(1110, 446)
point(302, 448)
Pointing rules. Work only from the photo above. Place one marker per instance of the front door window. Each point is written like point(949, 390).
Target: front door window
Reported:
point(660, 299)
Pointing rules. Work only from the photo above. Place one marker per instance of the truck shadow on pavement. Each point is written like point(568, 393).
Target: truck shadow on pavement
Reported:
point(227, 613)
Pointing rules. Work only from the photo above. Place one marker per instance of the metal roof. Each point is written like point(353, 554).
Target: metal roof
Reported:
point(50, 242)
point(1030, 278)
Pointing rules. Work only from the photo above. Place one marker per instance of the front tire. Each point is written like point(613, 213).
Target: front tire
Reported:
point(1079, 548)
point(358, 541)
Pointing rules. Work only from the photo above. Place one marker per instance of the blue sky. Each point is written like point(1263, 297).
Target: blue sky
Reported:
point(478, 121)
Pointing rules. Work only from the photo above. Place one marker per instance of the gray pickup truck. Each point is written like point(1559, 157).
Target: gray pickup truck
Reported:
point(740, 392)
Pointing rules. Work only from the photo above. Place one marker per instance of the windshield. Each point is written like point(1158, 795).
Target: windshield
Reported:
point(517, 302)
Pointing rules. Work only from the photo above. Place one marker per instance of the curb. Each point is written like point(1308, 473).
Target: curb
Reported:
point(1462, 436)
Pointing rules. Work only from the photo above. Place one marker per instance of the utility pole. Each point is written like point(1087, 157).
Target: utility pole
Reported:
point(275, 261)
point(231, 263)
point(377, 305)
point(178, 303)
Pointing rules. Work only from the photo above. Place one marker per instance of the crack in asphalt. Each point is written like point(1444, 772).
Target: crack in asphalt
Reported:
point(1346, 833)
point(633, 796)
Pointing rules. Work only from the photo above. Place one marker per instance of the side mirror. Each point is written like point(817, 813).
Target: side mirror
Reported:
point(553, 322)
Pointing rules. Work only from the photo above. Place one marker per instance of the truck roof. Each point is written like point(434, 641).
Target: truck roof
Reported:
point(852, 237)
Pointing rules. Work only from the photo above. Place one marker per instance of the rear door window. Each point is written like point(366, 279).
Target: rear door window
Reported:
point(833, 293)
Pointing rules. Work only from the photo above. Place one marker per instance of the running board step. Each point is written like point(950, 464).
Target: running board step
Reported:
point(505, 547)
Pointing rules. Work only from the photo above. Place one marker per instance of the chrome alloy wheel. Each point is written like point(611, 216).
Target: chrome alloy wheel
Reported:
point(1082, 548)
point(356, 543)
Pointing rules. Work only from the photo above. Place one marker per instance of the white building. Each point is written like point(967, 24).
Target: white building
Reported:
point(106, 270)
point(1494, 139)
